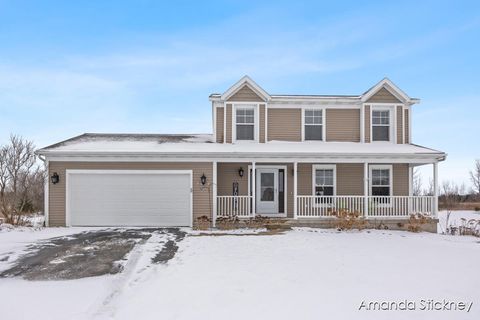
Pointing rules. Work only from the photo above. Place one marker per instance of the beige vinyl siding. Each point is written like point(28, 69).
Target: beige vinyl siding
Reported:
point(304, 176)
point(201, 195)
point(350, 179)
point(367, 123)
point(383, 95)
point(228, 137)
point(407, 127)
point(219, 127)
point(245, 94)
point(284, 124)
point(262, 123)
point(343, 125)
point(228, 174)
point(399, 124)
point(400, 179)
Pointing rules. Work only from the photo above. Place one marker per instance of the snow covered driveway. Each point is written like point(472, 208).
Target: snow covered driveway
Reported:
point(302, 274)
point(87, 254)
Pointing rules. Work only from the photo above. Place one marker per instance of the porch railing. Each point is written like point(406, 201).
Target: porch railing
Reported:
point(230, 206)
point(377, 207)
point(326, 206)
point(400, 206)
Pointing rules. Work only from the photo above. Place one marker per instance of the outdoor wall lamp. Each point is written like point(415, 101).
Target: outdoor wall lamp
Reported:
point(55, 178)
point(203, 179)
point(240, 172)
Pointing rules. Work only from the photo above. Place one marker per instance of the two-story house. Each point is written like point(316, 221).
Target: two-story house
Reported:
point(299, 157)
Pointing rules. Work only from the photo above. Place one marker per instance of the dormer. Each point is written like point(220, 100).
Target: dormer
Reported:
point(239, 113)
point(386, 113)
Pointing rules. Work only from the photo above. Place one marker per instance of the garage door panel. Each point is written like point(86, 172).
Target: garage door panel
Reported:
point(129, 199)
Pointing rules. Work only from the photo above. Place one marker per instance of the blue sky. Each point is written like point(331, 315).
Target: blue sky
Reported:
point(68, 67)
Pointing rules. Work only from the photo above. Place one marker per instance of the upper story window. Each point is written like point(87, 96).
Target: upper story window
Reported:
point(313, 122)
point(245, 123)
point(381, 128)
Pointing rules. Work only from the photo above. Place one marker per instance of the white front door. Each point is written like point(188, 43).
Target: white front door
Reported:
point(267, 191)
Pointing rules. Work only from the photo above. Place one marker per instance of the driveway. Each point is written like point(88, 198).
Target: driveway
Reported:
point(92, 253)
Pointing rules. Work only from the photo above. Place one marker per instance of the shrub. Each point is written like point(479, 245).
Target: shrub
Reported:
point(228, 223)
point(202, 223)
point(469, 227)
point(416, 221)
point(257, 222)
point(348, 220)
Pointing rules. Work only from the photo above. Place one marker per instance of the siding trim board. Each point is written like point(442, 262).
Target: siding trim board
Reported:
point(220, 125)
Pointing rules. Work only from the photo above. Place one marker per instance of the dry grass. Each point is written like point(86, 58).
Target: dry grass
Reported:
point(470, 206)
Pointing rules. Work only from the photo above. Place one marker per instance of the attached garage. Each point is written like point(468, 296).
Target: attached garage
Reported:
point(160, 198)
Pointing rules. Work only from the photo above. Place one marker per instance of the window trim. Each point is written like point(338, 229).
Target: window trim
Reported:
point(380, 167)
point(316, 167)
point(324, 122)
point(256, 119)
point(391, 108)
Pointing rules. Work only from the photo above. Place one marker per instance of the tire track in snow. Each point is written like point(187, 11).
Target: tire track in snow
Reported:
point(138, 261)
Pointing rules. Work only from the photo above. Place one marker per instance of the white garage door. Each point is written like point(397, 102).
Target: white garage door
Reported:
point(128, 198)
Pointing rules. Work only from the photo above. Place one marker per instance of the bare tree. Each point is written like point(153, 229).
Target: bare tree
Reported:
point(428, 191)
point(475, 177)
point(417, 182)
point(19, 177)
point(450, 196)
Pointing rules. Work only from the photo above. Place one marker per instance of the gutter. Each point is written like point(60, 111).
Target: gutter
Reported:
point(242, 155)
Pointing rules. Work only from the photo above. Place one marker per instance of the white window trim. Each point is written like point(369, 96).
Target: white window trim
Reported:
point(256, 121)
point(324, 122)
point(314, 184)
point(393, 121)
point(380, 167)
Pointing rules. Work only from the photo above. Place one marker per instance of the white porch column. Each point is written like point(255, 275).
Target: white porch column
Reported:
point(295, 204)
point(435, 189)
point(254, 185)
point(365, 189)
point(214, 193)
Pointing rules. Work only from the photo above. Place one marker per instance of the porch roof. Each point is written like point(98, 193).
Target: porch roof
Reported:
point(202, 146)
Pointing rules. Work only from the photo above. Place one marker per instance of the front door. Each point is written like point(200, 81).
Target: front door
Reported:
point(267, 191)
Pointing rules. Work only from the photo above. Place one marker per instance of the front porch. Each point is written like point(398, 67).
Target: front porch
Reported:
point(311, 192)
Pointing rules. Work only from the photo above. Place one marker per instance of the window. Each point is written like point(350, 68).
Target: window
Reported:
point(381, 183)
point(313, 120)
point(245, 123)
point(380, 125)
point(323, 182)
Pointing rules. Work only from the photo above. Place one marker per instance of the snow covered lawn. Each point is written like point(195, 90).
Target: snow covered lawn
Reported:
point(302, 274)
